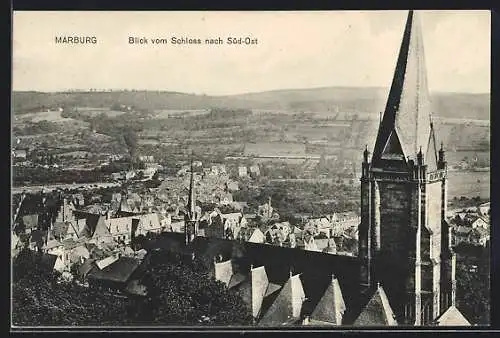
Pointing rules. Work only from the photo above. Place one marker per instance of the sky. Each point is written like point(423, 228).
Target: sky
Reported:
point(294, 50)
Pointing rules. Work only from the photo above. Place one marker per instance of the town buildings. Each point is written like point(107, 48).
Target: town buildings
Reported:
point(404, 270)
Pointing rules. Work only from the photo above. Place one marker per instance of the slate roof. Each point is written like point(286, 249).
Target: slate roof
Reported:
point(101, 230)
point(286, 307)
point(236, 279)
point(86, 267)
point(331, 306)
point(377, 312)
point(316, 268)
point(406, 123)
point(53, 243)
point(119, 271)
point(452, 317)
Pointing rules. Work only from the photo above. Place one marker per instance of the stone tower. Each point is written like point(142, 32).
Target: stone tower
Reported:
point(404, 241)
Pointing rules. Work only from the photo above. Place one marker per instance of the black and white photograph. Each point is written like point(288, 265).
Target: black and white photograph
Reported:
point(259, 169)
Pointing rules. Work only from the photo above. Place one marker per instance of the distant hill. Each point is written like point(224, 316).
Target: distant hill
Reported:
point(368, 100)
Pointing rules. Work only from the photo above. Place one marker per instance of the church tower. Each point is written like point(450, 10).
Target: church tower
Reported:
point(191, 217)
point(404, 241)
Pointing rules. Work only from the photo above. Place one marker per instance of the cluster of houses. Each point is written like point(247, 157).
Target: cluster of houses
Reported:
point(330, 234)
point(87, 243)
point(471, 226)
point(252, 171)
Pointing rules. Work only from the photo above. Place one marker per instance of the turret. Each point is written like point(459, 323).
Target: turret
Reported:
point(420, 157)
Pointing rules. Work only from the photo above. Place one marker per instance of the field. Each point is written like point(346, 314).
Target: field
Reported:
point(274, 148)
point(469, 184)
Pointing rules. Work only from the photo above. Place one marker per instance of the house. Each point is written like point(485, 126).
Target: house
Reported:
point(321, 225)
point(326, 245)
point(233, 221)
point(478, 236)
point(377, 312)
point(484, 209)
point(242, 172)
point(65, 213)
point(20, 154)
point(254, 171)
point(121, 228)
point(68, 252)
point(345, 220)
point(461, 234)
point(116, 275)
point(78, 200)
point(146, 158)
point(224, 198)
point(266, 210)
point(478, 222)
point(308, 242)
point(130, 175)
point(66, 230)
point(253, 235)
point(177, 225)
point(97, 231)
point(239, 206)
point(278, 233)
point(232, 186)
point(148, 223)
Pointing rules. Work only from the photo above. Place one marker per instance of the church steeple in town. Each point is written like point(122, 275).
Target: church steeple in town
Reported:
point(403, 234)
point(406, 122)
point(191, 219)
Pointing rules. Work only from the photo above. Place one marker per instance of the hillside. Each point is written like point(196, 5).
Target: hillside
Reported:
point(367, 100)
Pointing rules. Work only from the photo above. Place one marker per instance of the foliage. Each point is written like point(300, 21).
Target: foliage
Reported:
point(41, 175)
point(473, 284)
point(181, 292)
point(291, 197)
point(38, 298)
point(36, 128)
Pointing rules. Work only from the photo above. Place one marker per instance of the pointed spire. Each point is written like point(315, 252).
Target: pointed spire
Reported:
point(191, 198)
point(420, 157)
point(441, 153)
point(407, 113)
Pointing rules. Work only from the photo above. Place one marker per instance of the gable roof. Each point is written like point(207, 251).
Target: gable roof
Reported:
point(53, 243)
point(452, 317)
point(377, 312)
point(101, 230)
point(287, 306)
point(331, 306)
point(119, 271)
point(236, 279)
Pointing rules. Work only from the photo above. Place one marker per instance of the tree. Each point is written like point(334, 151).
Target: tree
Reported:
point(130, 138)
point(38, 298)
point(181, 292)
point(473, 286)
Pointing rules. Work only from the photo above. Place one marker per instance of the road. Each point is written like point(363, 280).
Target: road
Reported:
point(52, 187)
